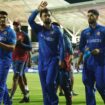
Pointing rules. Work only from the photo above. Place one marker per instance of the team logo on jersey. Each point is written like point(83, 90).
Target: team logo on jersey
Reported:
point(47, 38)
point(5, 32)
point(2, 39)
point(98, 33)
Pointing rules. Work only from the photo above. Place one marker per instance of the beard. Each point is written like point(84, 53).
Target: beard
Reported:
point(92, 21)
point(47, 21)
point(17, 29)
point(2, 24)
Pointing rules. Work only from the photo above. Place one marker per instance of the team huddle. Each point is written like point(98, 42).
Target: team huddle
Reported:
point(55, 57)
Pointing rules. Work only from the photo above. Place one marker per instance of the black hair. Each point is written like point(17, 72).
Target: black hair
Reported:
point(94, 11)
point(3, 13)
point(44, 11)
point(17, 23)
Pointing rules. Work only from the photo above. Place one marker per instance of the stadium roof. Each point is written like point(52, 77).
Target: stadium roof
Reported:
point(71, 16)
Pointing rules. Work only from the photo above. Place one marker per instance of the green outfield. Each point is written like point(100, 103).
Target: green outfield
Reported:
point(36, 95)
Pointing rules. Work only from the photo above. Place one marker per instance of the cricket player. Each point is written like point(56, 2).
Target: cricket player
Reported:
point(7, 45)
point(92, 47)
point(50, 42)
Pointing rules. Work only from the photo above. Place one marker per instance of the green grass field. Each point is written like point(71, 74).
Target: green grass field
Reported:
point(36, 94)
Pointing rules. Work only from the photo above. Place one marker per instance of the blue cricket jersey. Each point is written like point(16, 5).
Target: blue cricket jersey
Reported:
point(50, 40)
point(92, 39)
point(7, 36)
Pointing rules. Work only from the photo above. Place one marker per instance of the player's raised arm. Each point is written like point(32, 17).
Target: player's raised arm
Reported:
point(36, 27)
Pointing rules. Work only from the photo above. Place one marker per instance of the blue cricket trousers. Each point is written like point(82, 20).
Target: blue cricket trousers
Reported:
point(4, 68)
point(93, 75)
point(48, 82)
